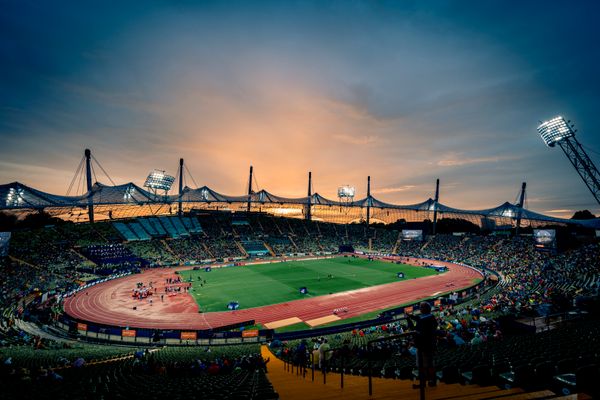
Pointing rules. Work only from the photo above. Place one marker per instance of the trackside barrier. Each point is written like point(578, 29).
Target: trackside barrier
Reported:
point(105, 333)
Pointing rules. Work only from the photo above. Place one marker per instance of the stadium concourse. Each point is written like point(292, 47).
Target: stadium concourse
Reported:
point(517, 330)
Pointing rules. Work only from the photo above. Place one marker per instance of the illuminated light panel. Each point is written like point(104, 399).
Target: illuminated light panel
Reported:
point(128, 195)
point(508, 213)
point(346, 191)
point(159, 180)
point(554, 130)
point(14, 198)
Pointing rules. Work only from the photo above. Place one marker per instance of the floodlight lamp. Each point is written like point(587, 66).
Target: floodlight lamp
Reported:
point(128, 195)
point(346, 191)
point(508, 213)
point(14, 198)
point(555, 130)
point(204, 194)
point(159, 180)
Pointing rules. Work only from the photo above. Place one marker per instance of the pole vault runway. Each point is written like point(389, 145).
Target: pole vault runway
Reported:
point(111, 303)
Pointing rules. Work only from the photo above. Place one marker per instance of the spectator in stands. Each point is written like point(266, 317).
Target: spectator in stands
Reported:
point(324, 354)
point(426, 329)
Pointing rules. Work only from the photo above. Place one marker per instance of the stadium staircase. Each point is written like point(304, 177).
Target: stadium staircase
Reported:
point(398, 240)
point(292, 385)
point(320, 246)
point(82, 256)
point(169, 249)
point(20, 261)
point(208, 250)
point(289, 227)
point(242, 249)
point(293, 243)
point(268, 247)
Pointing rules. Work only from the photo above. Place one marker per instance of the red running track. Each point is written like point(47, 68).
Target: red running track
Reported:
point(111, 303)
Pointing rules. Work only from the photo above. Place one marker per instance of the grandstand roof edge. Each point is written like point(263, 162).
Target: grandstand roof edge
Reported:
point(25, 197)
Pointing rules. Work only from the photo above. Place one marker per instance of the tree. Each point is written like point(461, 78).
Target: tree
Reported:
point(449, 225)
point(583, 214)
point(39, 220)
point(7, 222)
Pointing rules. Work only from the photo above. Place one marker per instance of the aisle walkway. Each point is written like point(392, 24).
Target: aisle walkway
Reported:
point(291, 386)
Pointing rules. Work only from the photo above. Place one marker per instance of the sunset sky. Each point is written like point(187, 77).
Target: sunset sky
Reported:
point(404, 91)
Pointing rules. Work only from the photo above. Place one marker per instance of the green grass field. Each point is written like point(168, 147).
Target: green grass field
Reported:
point(264, 284)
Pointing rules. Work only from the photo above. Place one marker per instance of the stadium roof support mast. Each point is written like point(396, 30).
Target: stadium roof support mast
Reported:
point(180, 205)
point(558, 131)
point(250, 189)
point(369, 201)
point(520, 205)
point(435, 203)
point(88, 178)
point(309, 202)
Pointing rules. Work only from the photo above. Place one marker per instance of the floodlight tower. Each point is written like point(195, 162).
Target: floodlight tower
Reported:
point(180, 205)
point(435, 204)
point(250, 189)
point(308, 215)
point(520, 206)
point(561, 132)
point(88, 178)
point(369, 201)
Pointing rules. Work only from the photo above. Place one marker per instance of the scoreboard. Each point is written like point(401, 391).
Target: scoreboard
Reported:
point(545, 238)
point(412, 234)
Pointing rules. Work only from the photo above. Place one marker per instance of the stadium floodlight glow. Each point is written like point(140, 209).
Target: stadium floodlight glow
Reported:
point(14, 198)
point(508, 213)
point(159, 180)
point(128, 195)
point(561, 132)
point(555, 130)
point(346, 191)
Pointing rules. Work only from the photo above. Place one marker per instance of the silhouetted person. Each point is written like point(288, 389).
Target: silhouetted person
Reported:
point(425, 327)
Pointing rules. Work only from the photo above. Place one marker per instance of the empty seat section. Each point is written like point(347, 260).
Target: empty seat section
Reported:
point(171, 230)
point(187, 222)
point(125, 231)
point(196, 224)
point(148, 227)
point(255, 248)
point(179, 227)
point(138, 229)
point(158, 226)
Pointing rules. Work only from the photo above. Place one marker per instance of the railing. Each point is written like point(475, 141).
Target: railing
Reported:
point(370, 360)
point(291, 362)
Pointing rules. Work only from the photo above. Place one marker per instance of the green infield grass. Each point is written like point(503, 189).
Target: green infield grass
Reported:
point(264, 284)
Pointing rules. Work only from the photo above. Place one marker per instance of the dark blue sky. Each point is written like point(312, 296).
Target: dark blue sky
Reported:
point(403, 91)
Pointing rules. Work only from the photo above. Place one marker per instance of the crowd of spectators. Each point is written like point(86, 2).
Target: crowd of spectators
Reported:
point(51, 261)
point(155, 252)
point(533, 279)
point(44, 246)
point(81, 371)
